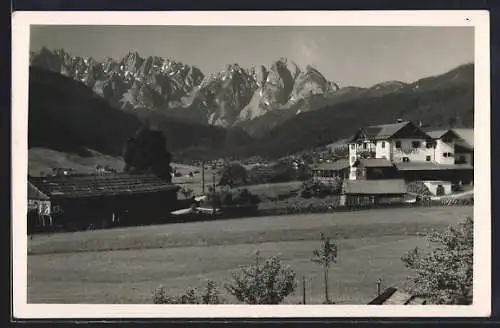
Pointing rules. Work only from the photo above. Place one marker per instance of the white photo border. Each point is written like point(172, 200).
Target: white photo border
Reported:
point(478, 19)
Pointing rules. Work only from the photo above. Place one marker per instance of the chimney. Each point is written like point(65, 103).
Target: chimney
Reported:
point(420, 124)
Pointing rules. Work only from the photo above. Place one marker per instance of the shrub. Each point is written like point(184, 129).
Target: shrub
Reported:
point(190, 296)
point(233, 174)
point(269, 283)
point(226, 198)
point(444, 276)
point(316, 188)
point(187, 192)
point(418, 187)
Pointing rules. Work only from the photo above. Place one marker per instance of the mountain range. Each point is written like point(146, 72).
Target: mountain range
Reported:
point(238, 111)
point(224, 98)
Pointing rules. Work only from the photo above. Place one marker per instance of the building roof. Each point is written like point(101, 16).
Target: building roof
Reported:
point(440, 133)
point(387, 131)
point(35, 194)
point(436, 134)
point(374, 162)
point(462, 147)
point(430, 166)
point(100, 186)
point(467, 138)
point(375, 187)
point(341, 164)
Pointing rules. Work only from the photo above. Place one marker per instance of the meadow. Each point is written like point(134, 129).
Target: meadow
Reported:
point(124, 265)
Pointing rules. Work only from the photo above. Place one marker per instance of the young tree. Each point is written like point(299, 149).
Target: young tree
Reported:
point(269, 283)
point(444, 275)
point(326, 255)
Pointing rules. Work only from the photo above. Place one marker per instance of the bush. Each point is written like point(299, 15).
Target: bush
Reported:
point(444, 276)
point(418, 187)
point(233, 174)
point(227, 198)
point(315, 188)
point(269, 283)
point(190, 296)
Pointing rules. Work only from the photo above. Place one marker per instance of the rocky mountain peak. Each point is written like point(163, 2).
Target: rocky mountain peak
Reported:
point(220, 98)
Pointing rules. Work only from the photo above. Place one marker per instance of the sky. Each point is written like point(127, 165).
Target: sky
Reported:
point(349, 56)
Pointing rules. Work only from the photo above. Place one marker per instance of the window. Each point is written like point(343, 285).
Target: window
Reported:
point(462, 159)
point(398, 144)
point(383, 144)
point(415, 144)
point(353, 159)
point(428, 158)
point(353, 146)
point(429, 144)
point(365, 145)
point(450, 154)
point(406, 159)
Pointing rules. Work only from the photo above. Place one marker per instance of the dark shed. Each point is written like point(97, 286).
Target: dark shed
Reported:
point(83, 200)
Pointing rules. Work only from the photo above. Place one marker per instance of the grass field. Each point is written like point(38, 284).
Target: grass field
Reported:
point(42, 160)
point(125, 265)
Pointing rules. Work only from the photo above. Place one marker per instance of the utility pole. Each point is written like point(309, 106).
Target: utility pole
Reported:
point(203, 177)
point(303, 290)
point(213, 181)
point(379, 282)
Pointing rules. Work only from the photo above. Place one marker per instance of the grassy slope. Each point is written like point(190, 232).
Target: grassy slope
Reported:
point(125, 265)
point(67, 116)
point(42, 160)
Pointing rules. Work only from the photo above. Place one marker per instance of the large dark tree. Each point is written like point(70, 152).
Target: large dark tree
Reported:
point(146, 152)
point(233, 174)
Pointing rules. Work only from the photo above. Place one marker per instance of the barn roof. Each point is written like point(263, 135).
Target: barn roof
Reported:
point(101, 186)
point(393, 296)
point(35, 194)
point(374, 162)
point(430, 166)
point(341, 164)
point(375, 187)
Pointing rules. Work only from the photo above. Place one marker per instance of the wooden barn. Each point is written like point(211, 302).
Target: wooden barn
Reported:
point(102, 200)
point(375, 168)
point(327, 171)
point(373, 192)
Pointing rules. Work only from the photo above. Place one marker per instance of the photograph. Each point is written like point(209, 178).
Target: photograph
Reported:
point(263, 161)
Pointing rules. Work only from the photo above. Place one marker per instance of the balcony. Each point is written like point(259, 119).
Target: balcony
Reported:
point(365, 153)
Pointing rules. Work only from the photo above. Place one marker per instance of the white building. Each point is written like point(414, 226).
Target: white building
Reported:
point(415, 153)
